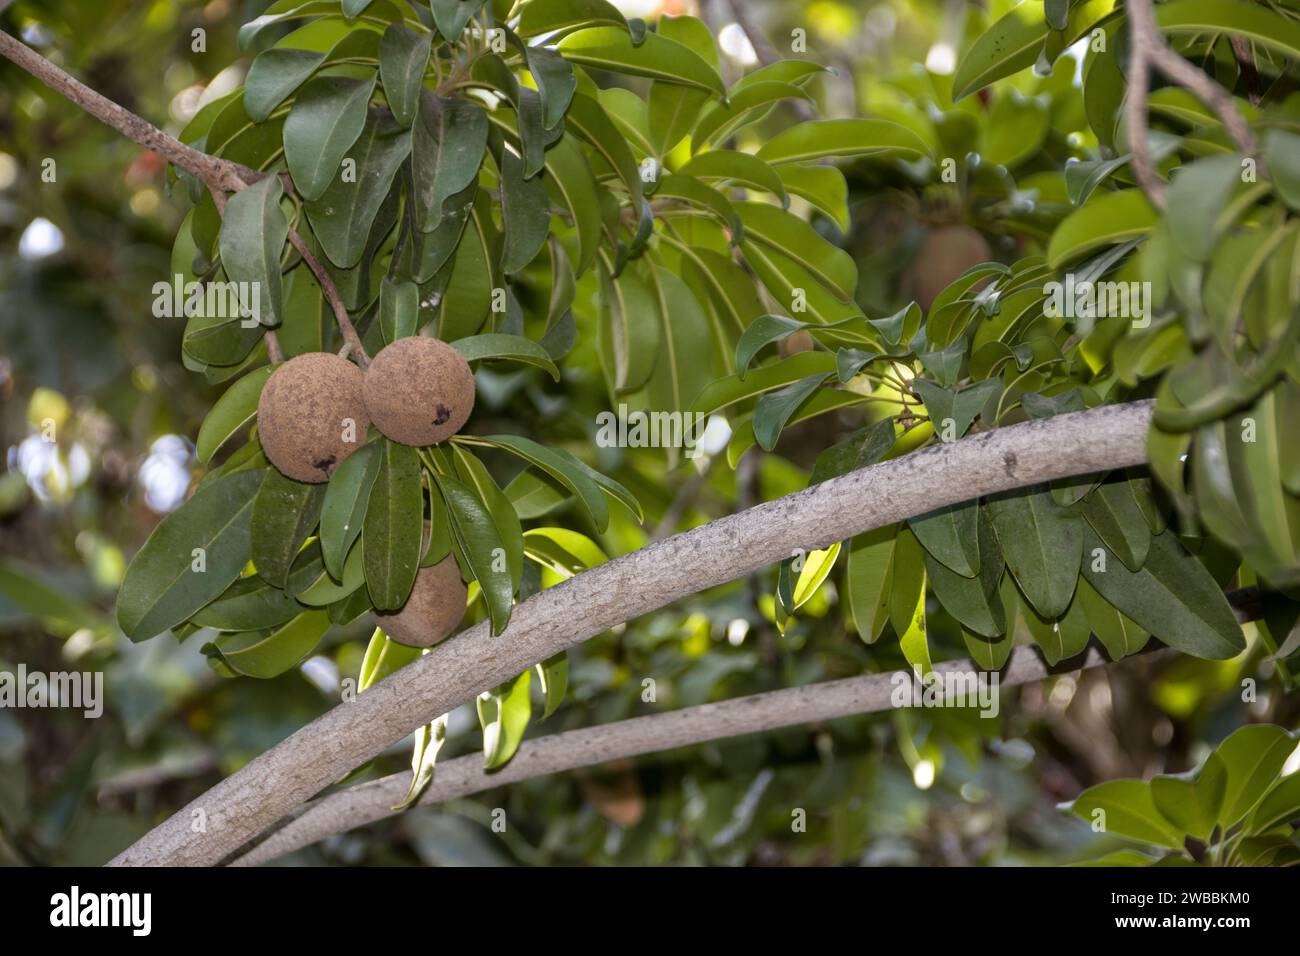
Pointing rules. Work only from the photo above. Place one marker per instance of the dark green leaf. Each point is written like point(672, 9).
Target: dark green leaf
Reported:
point(394, 526)
point(285, 513)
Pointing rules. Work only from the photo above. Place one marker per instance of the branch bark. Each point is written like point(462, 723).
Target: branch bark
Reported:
point(367, 802)
point(263, 791)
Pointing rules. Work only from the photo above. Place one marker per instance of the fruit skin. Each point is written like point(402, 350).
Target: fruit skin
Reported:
point(435, 607)
point(945, 253)
point(419, 391)
point(303, 415)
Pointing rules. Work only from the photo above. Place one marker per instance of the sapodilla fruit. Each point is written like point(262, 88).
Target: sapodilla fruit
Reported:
point(419, 391)
point(311, 415)
point(945, 253)
point(435, 607)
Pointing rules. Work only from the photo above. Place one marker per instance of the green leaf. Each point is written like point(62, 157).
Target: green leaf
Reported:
point(907, 601)
point(572, 186)
point(399, 308)
point(504, 713)
point(823, 139)
point(252, 235)
point(451, 16)
point(951, 536)
point(553, 678)
point(816, 568)
point(525, 214)
point(628, 338)
point(1261, 25)
point(273, 77)
point(1113, 513)
point(324, 123)
point(264, 656)
point(1126, 808)
point(345, 212)
point(384, 656)
point(743, 169)
point(447, 144)
point(233, 410)
point(673, 109)
point(494, 346)
point(250, 604)
point(774, 409)
point(659, 58)
point(429, 739)
point(951, 411)
point(1191, 801)
point(549, 16)
point(325, 590)
point(745, 106)
point(763, 331)
point(1059, 639)
point(1282, 154)
point(973, 601)
point(831, 266)
point(563, 551)
point(1106, 219)
point(1279, 807)
point(560, 465)
point(868, 582)
point(1043, 546)
point(1015, 41)
point(190, 558)
point(862, 448)
point(343, 512)
point(691, 190)
point(285, 513)
point(1173, 596)
point(479, 542)
point(403, 57)
point(556, 83)
point(467, 301)
point(823, 186)
point(394, 526)
point(588, 119)
point(1254, 756)
point(679, 374)
point(1119, 634)
point(475, 476)
point(1197, 196)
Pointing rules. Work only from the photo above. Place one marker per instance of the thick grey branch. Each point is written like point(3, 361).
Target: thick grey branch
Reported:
point(368, 802)
point(270, 786)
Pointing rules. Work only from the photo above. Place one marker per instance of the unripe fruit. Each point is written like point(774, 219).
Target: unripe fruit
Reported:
point(435, 607)
point(419, 391)
point(311, 415)
point(946, 253)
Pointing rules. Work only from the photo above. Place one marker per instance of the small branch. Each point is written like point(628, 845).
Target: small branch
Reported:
point(365, 803)
point(351, 341)
point(220, 176)
point(1149, 46)
point(260, 793)
point(763, 49)
point(1139, 144)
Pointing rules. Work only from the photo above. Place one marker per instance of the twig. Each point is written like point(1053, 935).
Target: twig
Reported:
point(1148, 48)
point(220, 176)
point(763, 49)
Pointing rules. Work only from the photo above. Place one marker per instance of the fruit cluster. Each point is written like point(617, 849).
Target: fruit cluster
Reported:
point(315, 411)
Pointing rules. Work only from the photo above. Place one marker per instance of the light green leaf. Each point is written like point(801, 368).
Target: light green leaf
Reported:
point(1106, 219)
point(659, 58)
point(1191, 801)
point(491, 347)
point(504, 713)
point(255, 655)
point(1254, 756)
point(823, 139)
point(233, 410)
point(1126, 808)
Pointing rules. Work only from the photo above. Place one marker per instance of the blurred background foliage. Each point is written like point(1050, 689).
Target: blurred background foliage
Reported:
point(82, 241)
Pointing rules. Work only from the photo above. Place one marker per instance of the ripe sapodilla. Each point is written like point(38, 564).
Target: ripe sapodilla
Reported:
point(435, 607)
point(418, 391)
point(311, 415)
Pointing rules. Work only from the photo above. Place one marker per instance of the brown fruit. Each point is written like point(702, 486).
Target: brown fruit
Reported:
point(419, 391)
point(435, 607)
point(311, 415)
point(945, 253)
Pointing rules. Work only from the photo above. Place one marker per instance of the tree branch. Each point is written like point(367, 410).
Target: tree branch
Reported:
point(454, 672)
point(763, 48)
point(871, 693)
point(1148, 48)
point(220, 176)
